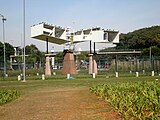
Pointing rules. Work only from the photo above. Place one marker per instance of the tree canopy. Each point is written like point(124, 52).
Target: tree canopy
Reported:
point(140, 39)
point(9, 50)
point(34, 54)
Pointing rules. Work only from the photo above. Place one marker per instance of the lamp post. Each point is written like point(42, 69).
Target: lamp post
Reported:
point(24, 53)
point(4, 49)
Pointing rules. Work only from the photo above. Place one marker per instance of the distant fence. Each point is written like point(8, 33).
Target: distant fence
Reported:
point(132, 64)
point(106, 65)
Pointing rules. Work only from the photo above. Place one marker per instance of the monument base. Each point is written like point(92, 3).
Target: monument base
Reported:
point(69, 65)
point(95, 67)
point(47, 67)
point(92, 65)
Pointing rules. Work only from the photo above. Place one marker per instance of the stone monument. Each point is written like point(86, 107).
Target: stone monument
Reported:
point(69, 65)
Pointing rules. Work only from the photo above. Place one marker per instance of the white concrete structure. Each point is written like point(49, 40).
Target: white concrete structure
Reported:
point(55, 34)
point(97, 35)
point(59, 35)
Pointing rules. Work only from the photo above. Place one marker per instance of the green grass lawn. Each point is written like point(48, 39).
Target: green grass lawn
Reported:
point(61, 81)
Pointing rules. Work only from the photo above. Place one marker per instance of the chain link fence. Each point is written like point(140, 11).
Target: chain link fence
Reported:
point(106, 65)
point(129, 65)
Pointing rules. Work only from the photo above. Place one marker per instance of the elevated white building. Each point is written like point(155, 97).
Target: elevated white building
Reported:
point(55, 34)
point(59, 35)
point(97, 35)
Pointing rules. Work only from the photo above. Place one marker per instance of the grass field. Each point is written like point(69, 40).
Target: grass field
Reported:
point(59, 93)
point(61, 81)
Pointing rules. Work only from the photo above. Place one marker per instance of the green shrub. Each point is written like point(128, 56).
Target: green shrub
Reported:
point(8, 95)
point(133, 100)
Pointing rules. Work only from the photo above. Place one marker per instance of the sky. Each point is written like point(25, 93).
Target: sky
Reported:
point(123, 15)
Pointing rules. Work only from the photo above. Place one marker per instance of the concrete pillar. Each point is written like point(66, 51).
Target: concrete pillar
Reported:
point(95, 67)
point(48, 67)
point(90, 63)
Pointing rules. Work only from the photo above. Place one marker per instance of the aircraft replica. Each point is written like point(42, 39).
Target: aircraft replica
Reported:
point(58, 35)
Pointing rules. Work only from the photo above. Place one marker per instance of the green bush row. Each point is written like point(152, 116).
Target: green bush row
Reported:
point(8, 95)
point(139, 101)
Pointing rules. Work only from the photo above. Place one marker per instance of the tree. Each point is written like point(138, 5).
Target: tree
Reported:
point(34, 55)
point(59, 57)
point(9, 50)
point(1, 52)
point(140, 39)
point(83, 56)
point(155, 51)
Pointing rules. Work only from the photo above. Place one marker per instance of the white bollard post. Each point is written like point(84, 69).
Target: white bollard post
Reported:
point(54, 73)
point(6, 75)
point(143, 71)
point(130, 71)
point(153, 73)
point(43, 77)
point(19, 77)
point(68, 76)
point(137, 74)
point(116, 74)
point(94, 75)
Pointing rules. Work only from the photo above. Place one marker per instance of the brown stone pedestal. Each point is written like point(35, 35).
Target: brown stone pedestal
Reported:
point(47, 67)
point(95, 67)
point(69, 65)
point(92, 65)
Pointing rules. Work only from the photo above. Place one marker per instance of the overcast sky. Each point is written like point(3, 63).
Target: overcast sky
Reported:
point(123, 15)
